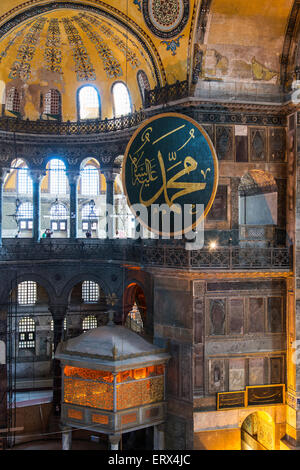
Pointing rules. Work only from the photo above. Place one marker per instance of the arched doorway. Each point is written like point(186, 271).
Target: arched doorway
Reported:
point(134, 308)
point(258, 432)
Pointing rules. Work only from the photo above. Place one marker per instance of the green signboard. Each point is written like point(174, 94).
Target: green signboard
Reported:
point(170, 161)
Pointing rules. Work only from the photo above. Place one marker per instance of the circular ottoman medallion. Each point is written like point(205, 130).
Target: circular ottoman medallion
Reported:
point(166, 18)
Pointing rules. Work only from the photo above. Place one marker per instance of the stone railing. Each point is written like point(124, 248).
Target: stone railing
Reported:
point(91, 126)
point(148, 253)
point(166, 94)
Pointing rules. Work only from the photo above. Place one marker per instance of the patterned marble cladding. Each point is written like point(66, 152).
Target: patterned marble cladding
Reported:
point(244, 339)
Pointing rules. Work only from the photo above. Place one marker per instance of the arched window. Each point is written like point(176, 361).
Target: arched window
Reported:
point(90, 181)
point(90, 292)
point(89, 217)
point(27, 293)
point(121, 98)
point(25, 216)
point(24, 181)
point(58, 217)
point(13, 102)
point(26, 333)
point(89, 103)
point(58, 177)
point(52, 103)
point(89, 323)
point(143, 83)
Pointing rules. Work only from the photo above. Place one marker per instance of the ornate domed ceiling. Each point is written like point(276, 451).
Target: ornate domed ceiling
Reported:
point(66, 49)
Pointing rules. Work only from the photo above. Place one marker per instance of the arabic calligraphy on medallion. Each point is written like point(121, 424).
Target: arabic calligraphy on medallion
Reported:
point(170, 160)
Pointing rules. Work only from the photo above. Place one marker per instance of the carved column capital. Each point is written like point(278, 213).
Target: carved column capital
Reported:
point(58, 312)
point(110, 175)
point(37, 175)
point(73, 176)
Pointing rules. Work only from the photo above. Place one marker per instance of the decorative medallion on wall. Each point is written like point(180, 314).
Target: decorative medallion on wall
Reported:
point(166, 18)
point(170, 162)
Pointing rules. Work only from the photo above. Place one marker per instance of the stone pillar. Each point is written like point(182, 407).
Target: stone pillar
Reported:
point(66, 437)
point(58, 313)
point(73, 181)
point(159, 437)
point(2, 178)
point(37, 176)
point(114, 440)
point(110, 177)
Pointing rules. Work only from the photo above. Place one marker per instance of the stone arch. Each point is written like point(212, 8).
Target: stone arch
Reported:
point(134, 292)
point(258, 431)
point(39, 279)
point(86, 276)
point(17, 16)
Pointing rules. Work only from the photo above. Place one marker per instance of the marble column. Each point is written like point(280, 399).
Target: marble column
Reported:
point(73, 181)
point(110, 177)
point(114, 440)
point(37, 176)
point(58, 314)
point(66, 437)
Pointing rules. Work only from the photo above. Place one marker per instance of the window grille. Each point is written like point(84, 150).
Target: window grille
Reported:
point(52, 103)
point(27, 293)
point(58, 178)
point(90, 292)
point(89, 323)
point(24, 181)
point(13, 102)
point(90, 181)
point(26, 333)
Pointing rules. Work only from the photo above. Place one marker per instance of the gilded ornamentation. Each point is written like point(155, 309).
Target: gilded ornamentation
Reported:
point(53, 55)
point(13, 40)
point(166, 18)
point(83, 66)
point(21, 67)
point(111, 65)
point(131, 57)
point(173, 44)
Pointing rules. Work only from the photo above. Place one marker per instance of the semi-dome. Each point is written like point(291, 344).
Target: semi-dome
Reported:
point(65, 49)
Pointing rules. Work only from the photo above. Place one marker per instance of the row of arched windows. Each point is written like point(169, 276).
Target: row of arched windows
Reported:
point(88, 100)
point(58, 180)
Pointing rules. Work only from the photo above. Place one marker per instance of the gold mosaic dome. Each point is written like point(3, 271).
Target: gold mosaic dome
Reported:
point(65, 49)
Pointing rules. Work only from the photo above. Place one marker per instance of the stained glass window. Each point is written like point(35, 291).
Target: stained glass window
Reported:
point(89, 104)
point(26, 333)
point(122, 104)
point(90, 292)
point(27, 293)
point(90, 181)
point(58, 178)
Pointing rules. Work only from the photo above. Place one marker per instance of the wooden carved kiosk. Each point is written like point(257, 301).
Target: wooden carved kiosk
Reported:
point(113, 381)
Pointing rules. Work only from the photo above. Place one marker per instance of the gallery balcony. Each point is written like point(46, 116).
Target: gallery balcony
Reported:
point(147, 253)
